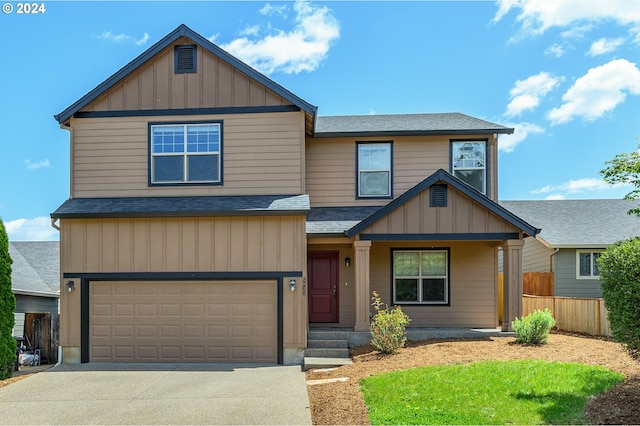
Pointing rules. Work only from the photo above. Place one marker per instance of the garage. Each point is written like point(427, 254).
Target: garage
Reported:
point(183, 321)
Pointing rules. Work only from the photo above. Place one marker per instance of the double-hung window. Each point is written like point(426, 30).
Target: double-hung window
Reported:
point(469, 163)
point(421, 277)
point(374, 162)
point(587, 264)
point(187, 153)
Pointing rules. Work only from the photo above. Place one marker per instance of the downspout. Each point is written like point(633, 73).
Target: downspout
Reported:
point(551, 262)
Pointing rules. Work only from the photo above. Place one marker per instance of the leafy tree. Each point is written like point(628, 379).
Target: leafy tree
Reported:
point(625, 169)
point(7, 308)
point(619, 268)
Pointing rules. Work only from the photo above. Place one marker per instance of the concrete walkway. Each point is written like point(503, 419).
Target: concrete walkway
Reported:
point(219, 394)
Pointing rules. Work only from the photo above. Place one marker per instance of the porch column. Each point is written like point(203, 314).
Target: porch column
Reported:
point(512, 285)
point(361, 276)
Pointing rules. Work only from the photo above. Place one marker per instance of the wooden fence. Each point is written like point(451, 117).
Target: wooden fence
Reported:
point(533, 283)
point(580, 315)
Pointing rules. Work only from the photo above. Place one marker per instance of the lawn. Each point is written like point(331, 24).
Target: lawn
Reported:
point(491, 392)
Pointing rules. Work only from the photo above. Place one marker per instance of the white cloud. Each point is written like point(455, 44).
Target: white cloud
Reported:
point(507, 143)
point(599, 91)
point(537, 16)
point(555, 197)
point(250, 31)
point(270, 9)
point(577, 186)
point(604, 45)
point(36, 229)
point(121, 38)
point(302, 48)
point(526, 94)
point(555, 50)
point(33, 165)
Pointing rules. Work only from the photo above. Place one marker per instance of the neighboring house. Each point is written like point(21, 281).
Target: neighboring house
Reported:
point(574, 233)
point(214, 216)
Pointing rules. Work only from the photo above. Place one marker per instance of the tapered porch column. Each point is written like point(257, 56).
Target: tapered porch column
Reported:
point(512, 285)
point(361, 276)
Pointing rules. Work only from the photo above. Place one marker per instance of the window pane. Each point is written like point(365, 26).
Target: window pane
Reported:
point(168, 139)
point(374, 183)
point(585, 264)
point(474, 178)
point(168, 168)
point(203, 138)
point(203, 168)
point(433, 290)
point(468, 154)
point(595, 269)
point(406, 290)
point(406, 264)
point(434, 264)
point(374, 156)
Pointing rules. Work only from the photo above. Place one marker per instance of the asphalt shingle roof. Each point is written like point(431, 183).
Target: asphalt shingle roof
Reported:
point(36, 267)
point(407, 124)
point(579, 223)
point(183, 206)
point(336, 220)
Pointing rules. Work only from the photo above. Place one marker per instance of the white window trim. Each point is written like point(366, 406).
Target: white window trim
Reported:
point(389, 170)
point(185, 155)
point(590, 277)
point(420, 277)
point(484, 169)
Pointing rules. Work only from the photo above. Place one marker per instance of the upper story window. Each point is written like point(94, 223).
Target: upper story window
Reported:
point(469, 163)
point(374, 164)
point(587, 265)
point(187, 153)
point(421, 276)
point(185, 59)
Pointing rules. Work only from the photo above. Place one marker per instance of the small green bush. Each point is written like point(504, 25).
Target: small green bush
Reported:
point(388, 326)
point(534, 328)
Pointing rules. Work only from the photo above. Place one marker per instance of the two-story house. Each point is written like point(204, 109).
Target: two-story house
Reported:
point(214, 216)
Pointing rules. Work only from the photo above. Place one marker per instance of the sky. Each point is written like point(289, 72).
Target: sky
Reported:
point(564, 73)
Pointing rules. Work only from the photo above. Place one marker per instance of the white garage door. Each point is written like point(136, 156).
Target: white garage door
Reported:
point(192, 321)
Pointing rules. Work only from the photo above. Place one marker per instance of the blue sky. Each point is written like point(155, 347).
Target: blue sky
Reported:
point(564, 73)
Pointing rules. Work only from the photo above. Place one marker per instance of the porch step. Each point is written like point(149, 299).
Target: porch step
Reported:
point(315, 362)
point(327, 344)
point(326, 348)
point(327, 352)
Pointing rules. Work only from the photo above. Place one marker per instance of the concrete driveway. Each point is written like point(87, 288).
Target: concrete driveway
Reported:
point(158, 394)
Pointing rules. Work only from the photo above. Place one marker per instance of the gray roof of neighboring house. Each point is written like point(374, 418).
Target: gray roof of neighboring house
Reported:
point(183, 206)
point(35, 268)
point(579, 223)
point(405, 124)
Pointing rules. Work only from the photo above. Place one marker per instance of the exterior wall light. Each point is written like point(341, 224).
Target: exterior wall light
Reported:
point(70, 286)
point(347, 261)
point(292, 284)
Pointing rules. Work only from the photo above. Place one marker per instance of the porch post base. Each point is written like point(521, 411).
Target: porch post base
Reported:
point(361, 326)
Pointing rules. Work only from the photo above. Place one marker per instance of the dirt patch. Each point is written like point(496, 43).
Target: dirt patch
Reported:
point(341, 402)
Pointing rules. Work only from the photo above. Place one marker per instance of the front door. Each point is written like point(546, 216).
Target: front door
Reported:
point(322, 267)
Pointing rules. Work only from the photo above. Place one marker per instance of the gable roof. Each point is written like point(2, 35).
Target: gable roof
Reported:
point(405, 124)
point(183, 31)
point(457, 184)
point(36, 268)
point(579, 223)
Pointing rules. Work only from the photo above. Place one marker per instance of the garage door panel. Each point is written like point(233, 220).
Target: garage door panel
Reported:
point(183, 322)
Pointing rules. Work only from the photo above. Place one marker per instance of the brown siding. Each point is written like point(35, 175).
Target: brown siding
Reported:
point(331, 166)
point(262, 154)
point(473, 285)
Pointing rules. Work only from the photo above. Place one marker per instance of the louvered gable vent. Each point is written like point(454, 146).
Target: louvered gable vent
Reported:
point(438, 196)
point(185, 59)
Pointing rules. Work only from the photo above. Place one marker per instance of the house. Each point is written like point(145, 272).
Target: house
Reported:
point(574, 233)
point(214, 216)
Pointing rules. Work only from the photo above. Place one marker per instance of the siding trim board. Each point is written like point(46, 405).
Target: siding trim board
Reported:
point(187, 111)
point(85, 303)
point(488, 236)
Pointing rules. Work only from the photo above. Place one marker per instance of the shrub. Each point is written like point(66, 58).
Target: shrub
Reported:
point(7, 308)
point(619, 268)
point(388, 326)
point(534, 328)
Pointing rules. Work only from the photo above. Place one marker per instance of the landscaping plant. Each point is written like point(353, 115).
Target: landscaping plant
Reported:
point(7, 309)
point(388, 326)
point(534, 328)
point(619, 268)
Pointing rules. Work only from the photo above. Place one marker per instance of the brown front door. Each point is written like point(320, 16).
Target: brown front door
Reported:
point(322, 267)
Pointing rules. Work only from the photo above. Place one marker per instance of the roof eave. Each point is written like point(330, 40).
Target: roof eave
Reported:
point(506, 131)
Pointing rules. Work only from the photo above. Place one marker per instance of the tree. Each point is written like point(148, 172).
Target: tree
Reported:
point(625, 169)
point(7, 309)
point(619, 267)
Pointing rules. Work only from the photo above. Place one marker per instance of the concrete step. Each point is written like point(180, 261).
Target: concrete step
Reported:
point(326, 334)
point(327, 352)
point(315, 362)
point(327, 343)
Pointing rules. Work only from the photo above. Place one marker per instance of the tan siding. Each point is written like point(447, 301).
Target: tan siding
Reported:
point(262, 154)
point(331, 166)
point(473, 285)
point(536, 257)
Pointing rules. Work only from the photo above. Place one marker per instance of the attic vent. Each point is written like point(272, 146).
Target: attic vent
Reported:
point(185, 59)
point(438, 196)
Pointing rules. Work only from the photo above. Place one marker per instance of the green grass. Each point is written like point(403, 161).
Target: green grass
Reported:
point(494, 392)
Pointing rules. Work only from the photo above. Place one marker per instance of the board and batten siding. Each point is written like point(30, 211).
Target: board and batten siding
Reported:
point(567, 285)
point(331, 166)
point(472, 280)
point(263, 154)
point(202, 244)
